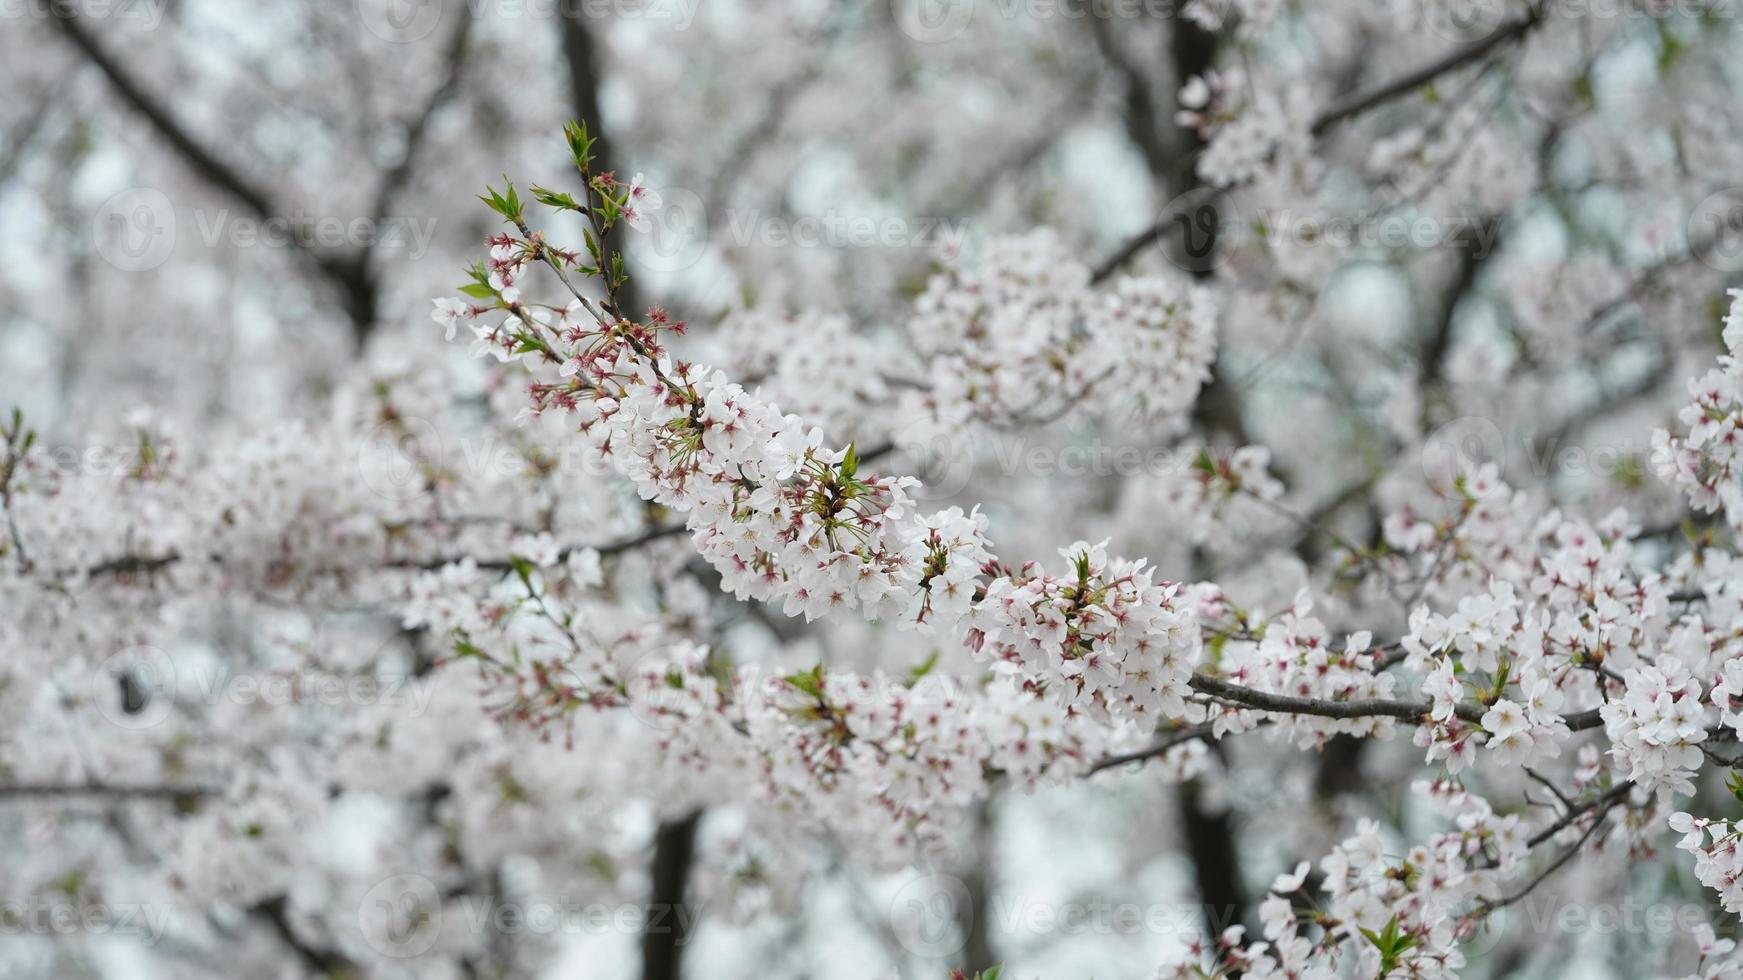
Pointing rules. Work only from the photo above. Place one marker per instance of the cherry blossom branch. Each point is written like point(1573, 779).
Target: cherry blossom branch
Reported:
point(1327, 119)
point(658, 533)
point(1603, 804)
point(1567, 805)
point(1193, 734)
point(1427, 73)
point(1608, 799)
point(1149, 236)
point(1411, 711)
point(135, 564)
point(105, 790)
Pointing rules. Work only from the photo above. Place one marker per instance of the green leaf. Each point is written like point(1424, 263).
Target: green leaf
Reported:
point(477, 291)
point(580, 144)
point(553, 199)
point(850, 462)
point(917, 673)
point(1391, 943)
point(523, 569)
point(810, 681)
point(508, 205)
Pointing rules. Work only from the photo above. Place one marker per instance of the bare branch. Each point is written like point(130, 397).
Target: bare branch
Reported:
point(1427, 73)
point(1415, 712)
point(111, 791)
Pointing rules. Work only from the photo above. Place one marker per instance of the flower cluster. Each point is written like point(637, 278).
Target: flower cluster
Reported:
point(1391, 915)
point(1247, 131)
point(1024, 336)
point(1718, 849)
point(811, 363)
point(1106, 638)
point(1295, 655)
point(1224, 499)
point(1656, 728)
point(1704, 460)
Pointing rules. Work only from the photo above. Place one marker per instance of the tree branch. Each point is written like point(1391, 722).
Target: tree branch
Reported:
point(1427, 73)
point(347, 273)
point(1412, 711)
point(20, 791)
